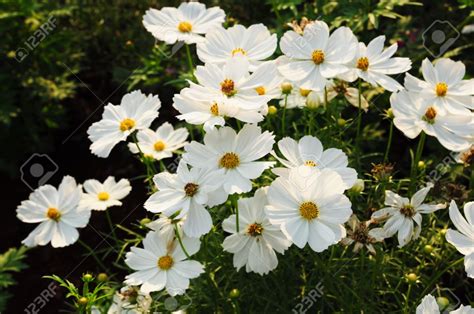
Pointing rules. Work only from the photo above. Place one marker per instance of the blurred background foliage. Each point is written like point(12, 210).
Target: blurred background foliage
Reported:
point(98, 50)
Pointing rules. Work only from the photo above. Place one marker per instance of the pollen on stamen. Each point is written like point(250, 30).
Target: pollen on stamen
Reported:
point(214, 109)
point(317, 56)
point(53, 213)
point(408, 210)
point(310, 163)
point(240, 51)
point(165, 262)
point(191, 189)
point(228, 87)
point(127, 124)
point(255, 229)
point(430, 115)
point(441, 89)
point(309, 210)
point(103, 196)
point(229, 161)
point(185, 27)
point(260, 90)
point(159, 146)
point(363, 64)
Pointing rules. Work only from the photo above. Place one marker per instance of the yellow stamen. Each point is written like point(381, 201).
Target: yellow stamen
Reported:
point(229, 161)
point(363, 64)
point(255, 229)
point(185, 27)
point(214, 109)
point(317, 56)
point(310, 163)
point(260, 90)
point(159, 146)
point(191, 189)
point(165, 262)
point(441, 89)
point(239, 50)
point(430, 115)
point(127, 124)
point(228, 87)
point(309, 210)
point(103, 196)
point(53, 213)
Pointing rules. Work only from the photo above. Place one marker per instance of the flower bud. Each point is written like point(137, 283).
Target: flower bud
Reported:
point(234, 293)
point(83, 301)
point(272, 110)
point(389, 113)
point(411, 277)
point(428, 249)
point(102, 277)
point(358, 186)
point(145, 221)
point(314, 100)
point(286, 88)
point(421, 165)
point(442, 302)
point(87, 277)
point(341, 122)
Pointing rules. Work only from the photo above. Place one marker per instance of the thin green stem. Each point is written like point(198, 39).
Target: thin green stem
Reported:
point(178, 236)
point(407, 297)
point(190, 60)
point(111, 226)
point(389, 143)
point(235, 205)
point(91, 252)
point(416, 159)
point(283, 117)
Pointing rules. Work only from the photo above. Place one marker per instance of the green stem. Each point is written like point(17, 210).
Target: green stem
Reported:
point(111, 226)
point(414, 166)
point(359, 122)
point(190, 60)
point(389, 144)
point(178, 236)
point(407, 297)
point(235, 205)
point(283, 117)
point(91, 252)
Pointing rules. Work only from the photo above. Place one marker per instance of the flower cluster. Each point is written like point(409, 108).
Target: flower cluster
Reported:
point(294, 192)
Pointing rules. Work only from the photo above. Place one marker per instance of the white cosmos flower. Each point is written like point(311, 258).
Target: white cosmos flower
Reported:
point(297, 98)
point(413, 115)
point(351, 94)
point(235, 153)
point(130, 300)
point(135, 112)
point(186, 193)
point(165, 226)
point(100, 196)
point(254, 44)
point(443, 86)
point(161, 143)
point(257, 240)
point(58, 213)
point(402, 214)
point(231, 84)
point(186, 23)
point(309, 152)
point(160, 265)
point(310, 207)
point(429, 306)
point(315, 56)
point(361, 235)
point(373, 64)
point(463, 238)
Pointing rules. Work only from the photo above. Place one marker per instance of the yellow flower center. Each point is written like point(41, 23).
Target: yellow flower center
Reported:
point(103, 196)
point(229, 161)
point(214, 109)
point(430, 115)
point(159, 146)
point(185, 27)
point(165, 262)
point(304, 92)
point(53, 213)
point(127, 124)
point(228, 87)
point(441, 89)
point(260, 90)
point(239, 50)
point(191, 189)
point(317, 56)
point(363, 63)
point(310, 163)
point(309, 210)
point(254, 229)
